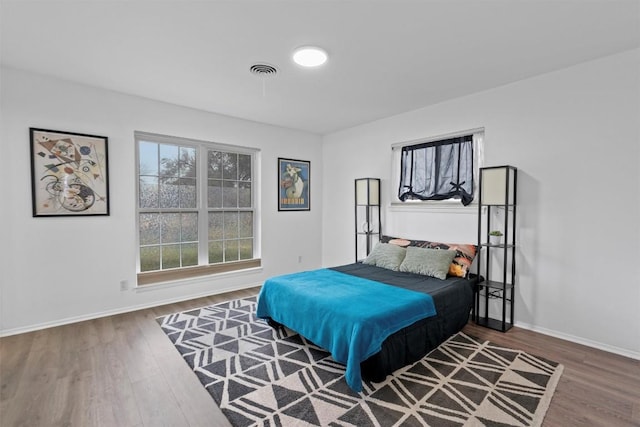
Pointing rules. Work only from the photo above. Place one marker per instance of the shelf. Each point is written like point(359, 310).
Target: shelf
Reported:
point(496, 212)
point(368, 221)
point(492, 284)
point(496, 294)
point(493, 324)
point(499, 245)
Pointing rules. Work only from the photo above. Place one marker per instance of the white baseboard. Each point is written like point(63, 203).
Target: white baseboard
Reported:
point(578, 340)
point(91, 316)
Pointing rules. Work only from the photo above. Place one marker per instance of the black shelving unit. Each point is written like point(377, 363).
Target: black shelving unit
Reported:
point(496, 261)
point(367, 215)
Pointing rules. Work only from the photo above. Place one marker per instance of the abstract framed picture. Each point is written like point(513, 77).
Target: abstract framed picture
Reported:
point(69, 173)
point(293, 182)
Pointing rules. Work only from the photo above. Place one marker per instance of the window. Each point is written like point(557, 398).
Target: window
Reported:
point(438, 169)
point(196, 212)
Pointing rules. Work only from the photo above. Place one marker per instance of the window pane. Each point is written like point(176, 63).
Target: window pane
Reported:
point(189, 227)
point(148, 192)
point(231, 225)
point(246, 224)
point(230, 250)
point(244, 167)
point(170, 224)
point(168, 160)
point(189, 254)
point(187, 164)
point(148, 158)
point(246, 248)
point(215, 252)
point(214, 193)
point(149, 229)
point(215, 225)
point(214, 165)
point(230, 194)
point(229, 166)
point(188, 193)
point(169, 193)
point(244, 195)
point(170, 256)
point(150, 258)
point(170, 179)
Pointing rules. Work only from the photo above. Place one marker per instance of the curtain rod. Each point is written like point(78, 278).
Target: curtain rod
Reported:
point(436, 138)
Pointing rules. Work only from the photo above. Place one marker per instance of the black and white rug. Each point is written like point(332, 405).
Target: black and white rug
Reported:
point(266, 378)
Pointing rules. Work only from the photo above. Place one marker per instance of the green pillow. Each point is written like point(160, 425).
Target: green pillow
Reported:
point(386, 256)
point(428, 262)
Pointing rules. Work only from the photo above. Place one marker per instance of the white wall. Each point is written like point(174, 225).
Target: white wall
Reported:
point(574, 135)
point(61, 269)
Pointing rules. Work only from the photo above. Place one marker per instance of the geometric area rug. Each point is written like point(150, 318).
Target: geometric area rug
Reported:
point(262, 377)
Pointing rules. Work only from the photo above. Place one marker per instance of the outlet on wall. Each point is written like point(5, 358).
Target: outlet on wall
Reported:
point(124, 285)
point(299, 259)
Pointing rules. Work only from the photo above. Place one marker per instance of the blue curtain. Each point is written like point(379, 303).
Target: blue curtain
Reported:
point(438, 170)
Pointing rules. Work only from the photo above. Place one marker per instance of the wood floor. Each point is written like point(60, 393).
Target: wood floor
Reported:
point(123, 371)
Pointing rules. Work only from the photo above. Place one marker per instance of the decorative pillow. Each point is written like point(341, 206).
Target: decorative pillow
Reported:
point(428, 262)
point(386, 256)
point(461, 263)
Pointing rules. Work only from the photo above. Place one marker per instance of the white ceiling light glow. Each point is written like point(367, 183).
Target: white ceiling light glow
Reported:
point(310, 56)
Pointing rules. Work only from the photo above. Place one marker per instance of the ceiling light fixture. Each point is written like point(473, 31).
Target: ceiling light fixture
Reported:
point(310, 56)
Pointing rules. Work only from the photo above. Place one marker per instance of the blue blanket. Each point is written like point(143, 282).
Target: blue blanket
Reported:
point(347, 315)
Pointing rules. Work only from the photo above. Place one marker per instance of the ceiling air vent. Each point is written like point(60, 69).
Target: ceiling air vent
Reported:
point(263, 70)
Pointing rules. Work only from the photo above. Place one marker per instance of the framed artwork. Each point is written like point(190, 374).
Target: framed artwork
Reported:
point(293, 187)
point(69, 174)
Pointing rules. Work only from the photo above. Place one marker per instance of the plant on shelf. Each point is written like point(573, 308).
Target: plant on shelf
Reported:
point(495, 236)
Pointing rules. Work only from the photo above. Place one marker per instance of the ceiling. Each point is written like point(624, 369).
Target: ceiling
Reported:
point(385, 57)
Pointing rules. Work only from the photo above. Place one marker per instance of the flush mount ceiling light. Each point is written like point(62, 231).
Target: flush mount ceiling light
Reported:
point(310, 56)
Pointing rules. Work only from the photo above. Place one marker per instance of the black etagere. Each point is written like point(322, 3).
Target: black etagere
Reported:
point(496, 259)
point(367, 215)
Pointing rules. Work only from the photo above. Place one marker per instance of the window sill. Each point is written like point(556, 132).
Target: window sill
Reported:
point(444, 206)
point(153, 279)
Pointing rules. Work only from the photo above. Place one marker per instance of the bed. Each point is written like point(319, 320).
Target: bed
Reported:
point(452, 299)
point(293, 301)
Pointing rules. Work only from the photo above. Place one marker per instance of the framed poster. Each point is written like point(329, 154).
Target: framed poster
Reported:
point(293, 179)
point(69, 174)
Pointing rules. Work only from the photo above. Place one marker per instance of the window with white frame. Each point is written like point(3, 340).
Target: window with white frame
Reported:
point(432, 170)
point(195, 206)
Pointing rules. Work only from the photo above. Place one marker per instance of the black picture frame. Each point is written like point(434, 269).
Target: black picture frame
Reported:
point(69, 173)
point(294, 189)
